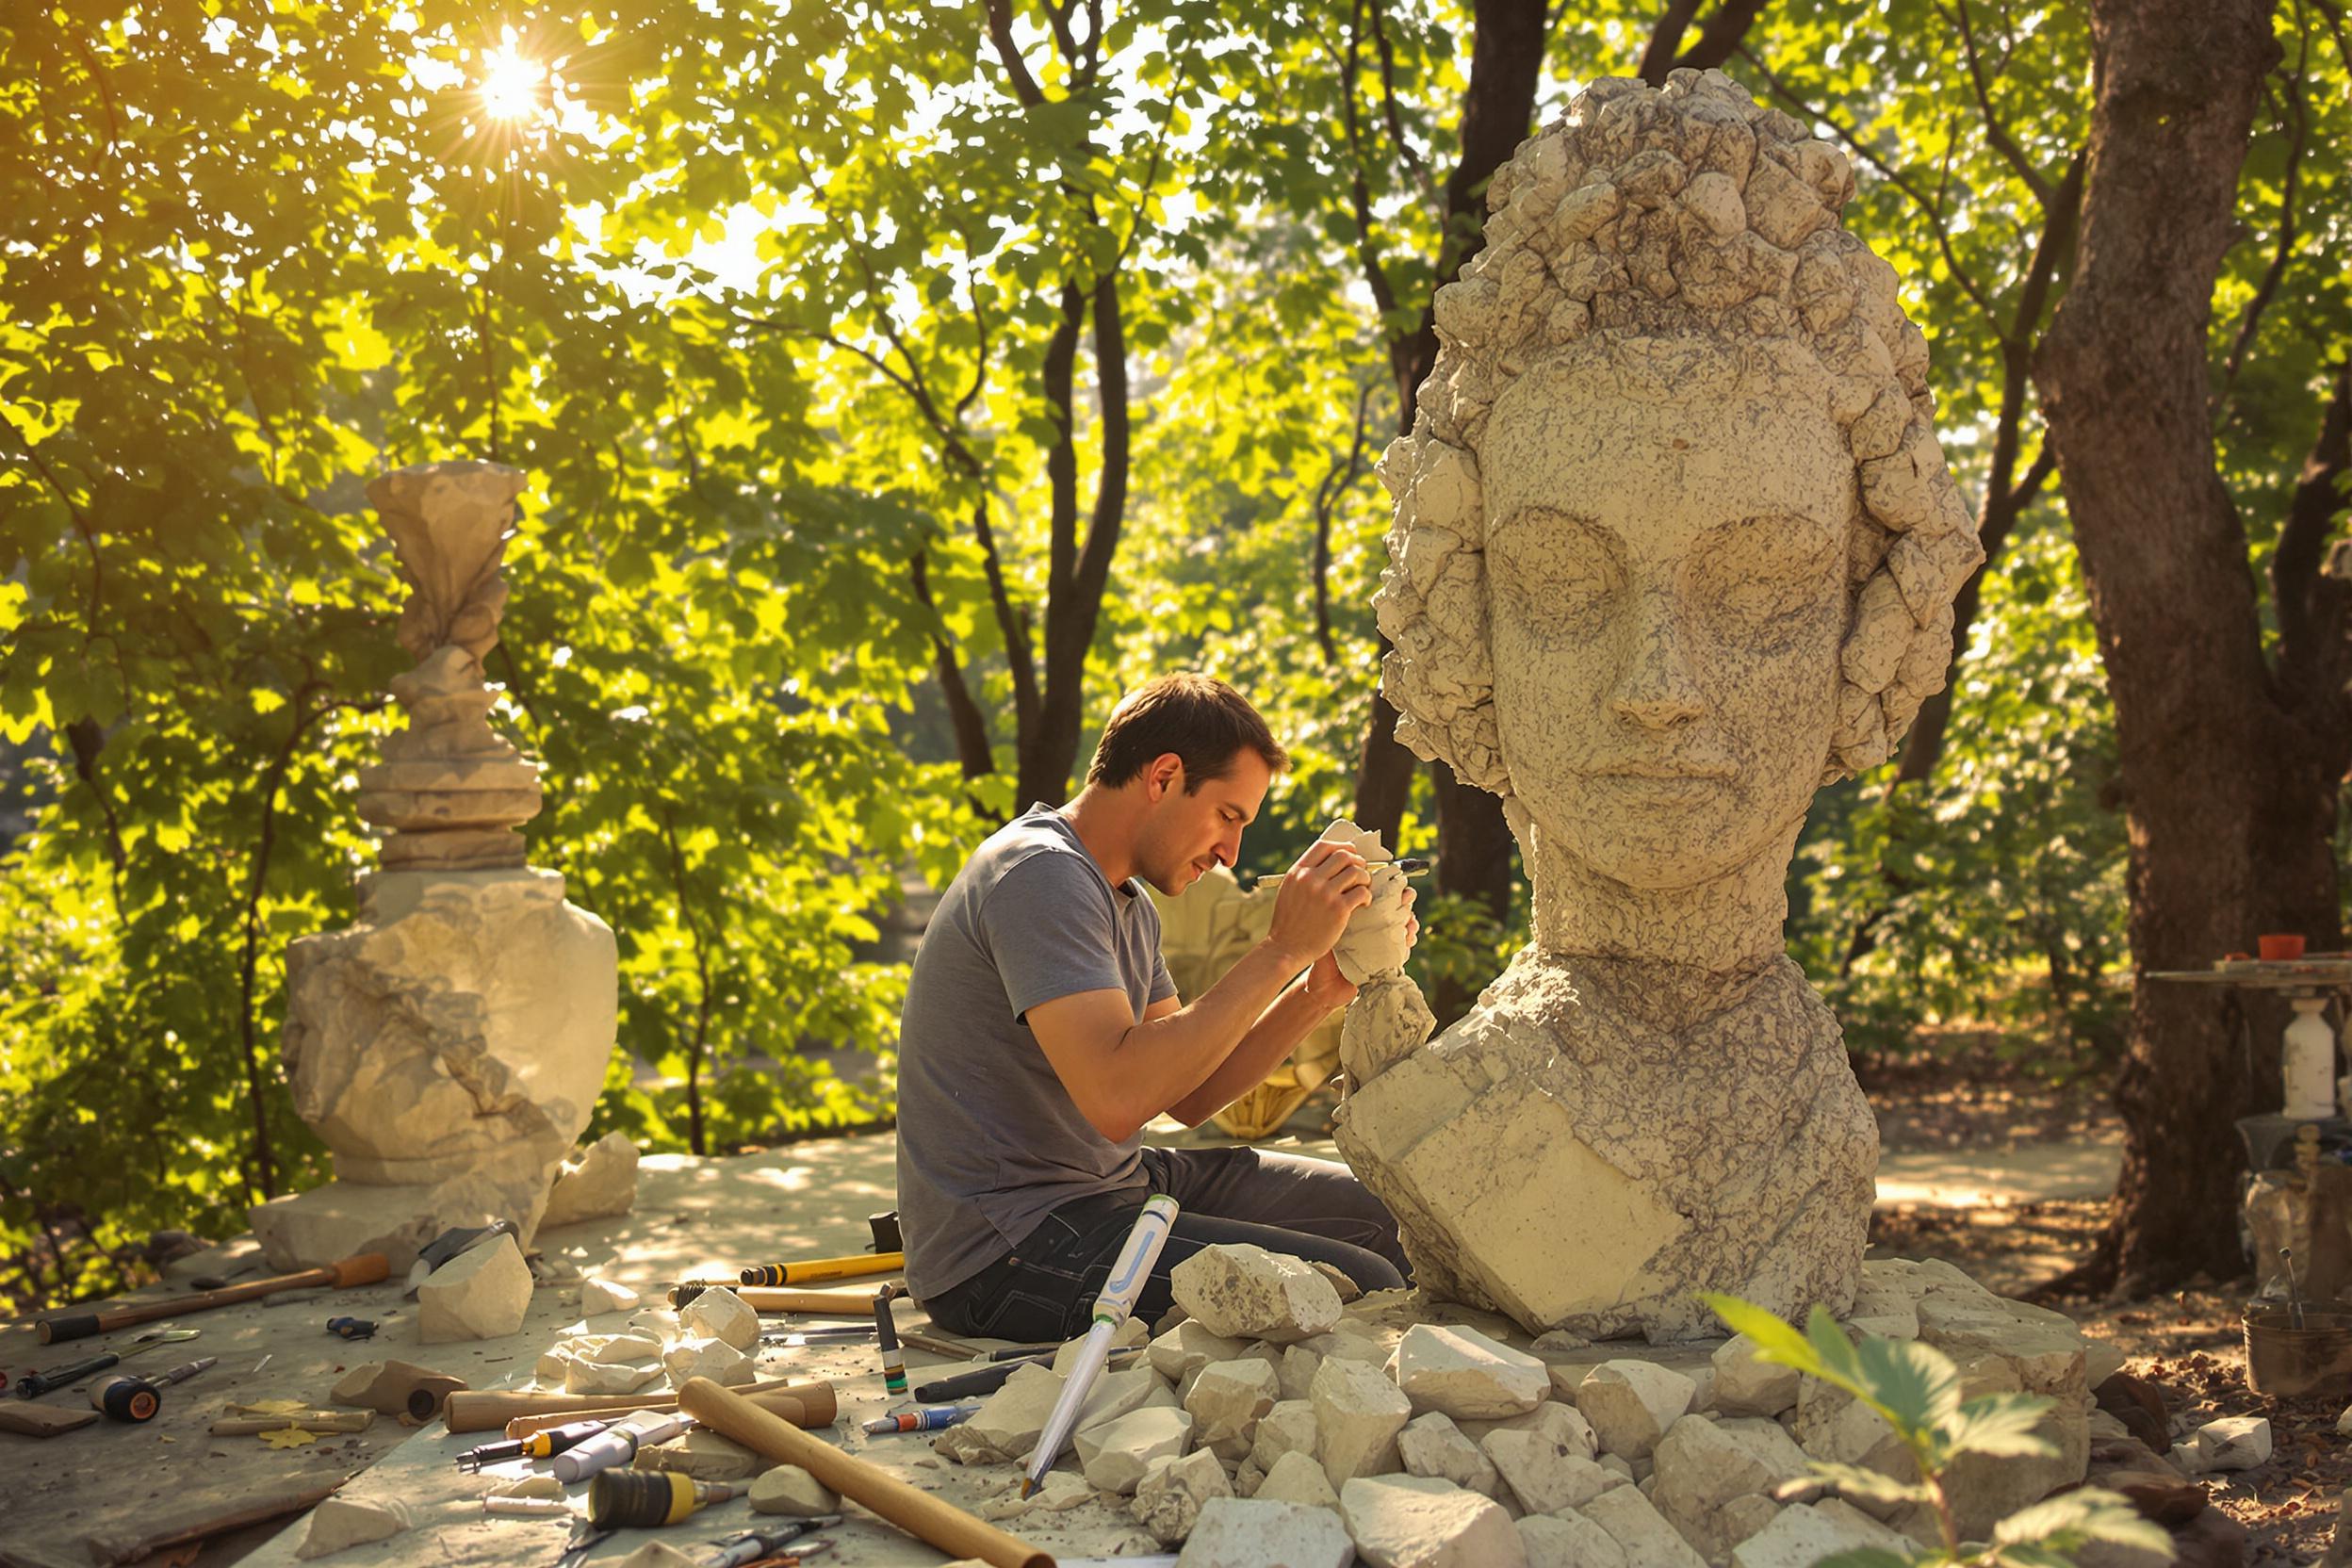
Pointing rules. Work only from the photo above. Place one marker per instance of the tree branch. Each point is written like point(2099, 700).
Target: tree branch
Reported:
point(2312, 603)
point(1995, 132)
point(1016, 68)
point(2298, 136)
point(1405, 154)
point(1724, 30)
point(1327, 495)
point(1657, 57)
point(972, 750)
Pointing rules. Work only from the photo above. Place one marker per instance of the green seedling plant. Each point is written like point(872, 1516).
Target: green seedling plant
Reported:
point(1916, 1388)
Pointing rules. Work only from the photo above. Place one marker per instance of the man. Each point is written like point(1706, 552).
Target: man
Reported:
point(1041, 1032)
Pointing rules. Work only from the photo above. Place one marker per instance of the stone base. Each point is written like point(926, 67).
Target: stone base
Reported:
point(310, 1230)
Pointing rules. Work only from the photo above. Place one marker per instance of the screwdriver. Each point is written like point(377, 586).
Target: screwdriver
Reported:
point(539, 1444)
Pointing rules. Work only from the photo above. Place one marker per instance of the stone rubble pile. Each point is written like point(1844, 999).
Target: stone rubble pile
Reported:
point(1438, 1445)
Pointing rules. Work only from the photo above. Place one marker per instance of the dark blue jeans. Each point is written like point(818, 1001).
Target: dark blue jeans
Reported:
point(1044, 1289)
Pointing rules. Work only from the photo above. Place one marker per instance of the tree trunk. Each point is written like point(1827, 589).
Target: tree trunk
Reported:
point(2230, 809)
point(1498, 112)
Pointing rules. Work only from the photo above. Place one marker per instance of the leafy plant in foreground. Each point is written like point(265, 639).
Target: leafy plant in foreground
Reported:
point(1916, 1388)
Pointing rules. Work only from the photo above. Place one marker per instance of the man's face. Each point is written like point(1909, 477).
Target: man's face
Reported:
point(1187, 833)
point(1668, 594)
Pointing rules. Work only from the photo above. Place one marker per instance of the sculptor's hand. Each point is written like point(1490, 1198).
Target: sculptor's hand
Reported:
point(1327, 987)
point(1328, 885)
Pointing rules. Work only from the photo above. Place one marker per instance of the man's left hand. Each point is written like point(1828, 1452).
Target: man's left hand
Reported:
point(1326, 986)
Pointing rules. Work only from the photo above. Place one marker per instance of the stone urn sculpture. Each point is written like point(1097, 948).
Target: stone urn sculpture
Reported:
point(449, 1046)
point(1674, 544)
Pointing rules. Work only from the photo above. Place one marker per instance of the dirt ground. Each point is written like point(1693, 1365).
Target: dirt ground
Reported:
point(2189, 1343)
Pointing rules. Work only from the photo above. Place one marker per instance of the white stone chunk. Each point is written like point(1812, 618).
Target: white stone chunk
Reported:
point(1117, 1393)
point(1701, 1465)
point(1227, 1399)
point(479, 1294)
point(1297, 1369)
point(1115, 1454)
point(599, 1377)
point(1008, 1422)
point(597, 1297)
point(600, 1183)
point(341, 1522)
point(1432, 1445)
point(788, 1489)
point(1461, 1373)
point(1802, 1535)
point(1358, 1413)
point(1171, 1496)
point(528, 1486)
point(1568, 1540)
point(719, 1313)
point(1422, 1522)
point(705, 1455)
point(1548, 1458)
point(1746, 1386)
point(1630, 1404)
point(1266, 1533)
point(2233, 1442)
point(1244, 1292)
point(1296, 1478)
point(707, 1357)
point(1288, 1428)
point(1187, 1347)
point(1648, 1540)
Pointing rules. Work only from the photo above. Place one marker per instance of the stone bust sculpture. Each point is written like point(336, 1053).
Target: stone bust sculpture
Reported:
point(1674, 544)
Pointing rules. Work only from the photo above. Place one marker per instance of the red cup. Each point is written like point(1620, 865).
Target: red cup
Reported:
point(2280, 949)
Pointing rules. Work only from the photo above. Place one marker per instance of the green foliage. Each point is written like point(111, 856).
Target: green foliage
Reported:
point(1992, 895)
point(1916, 1389)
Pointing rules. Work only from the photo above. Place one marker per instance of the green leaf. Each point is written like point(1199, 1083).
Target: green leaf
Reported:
point(1916, 1385)
point(2077, 1518)
point(1776, 1340)
point(1853, 1480)
point(1869, 1556)
point(2000, 1425)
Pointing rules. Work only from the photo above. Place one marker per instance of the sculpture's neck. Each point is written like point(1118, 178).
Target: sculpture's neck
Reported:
point(1731, 924)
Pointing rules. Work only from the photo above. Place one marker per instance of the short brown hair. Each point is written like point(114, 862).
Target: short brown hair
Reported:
point(1199, 718)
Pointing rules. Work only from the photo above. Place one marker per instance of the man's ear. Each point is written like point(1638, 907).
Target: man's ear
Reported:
point(1164, 777)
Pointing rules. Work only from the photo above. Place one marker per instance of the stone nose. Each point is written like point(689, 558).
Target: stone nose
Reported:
point(1658, 688)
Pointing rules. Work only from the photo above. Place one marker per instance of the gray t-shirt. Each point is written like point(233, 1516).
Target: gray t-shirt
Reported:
point(988, 1140)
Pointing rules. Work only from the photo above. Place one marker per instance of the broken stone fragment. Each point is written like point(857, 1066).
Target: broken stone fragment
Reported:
point(529, 1486)
point(1647, 1539)
point(390, 1386)
point(479, 1294)
point(341, 1522)
point(1288, 1427)
point(1460, 1372)
point(1804, 1534)
point(1432, 1445)
point(1568, 1540)
point(1237, 1533)
point(1547, 1460)
point(1745, 1384)
point(597, 1297)
point(1296, 1478)
point(659, 1554)
point(1630, 1404)
point(707, 1357)
point(1172, 1491)
point(1115, 1454)
point(788, 1489)
point(1422, 1522)
point(1008, 1422)
point(1358, 1413)
point(1244, 1292)
point(705, 1455)
point(1227, 1399)
point(719, 1313)
point(601, 1182)
point(1705, 1468)
point(1115, 1394)
point(1061, 1492)
point(2233, 1442)
point(1187, 1347)
point(601, 1376)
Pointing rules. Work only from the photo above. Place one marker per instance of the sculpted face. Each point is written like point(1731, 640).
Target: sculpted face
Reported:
point(1667, 585)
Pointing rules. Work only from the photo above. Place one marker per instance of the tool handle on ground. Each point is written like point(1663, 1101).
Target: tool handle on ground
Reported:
point(487, 1409)
point(367, 1268)
point(933, 1520)
point(807, 1406)
point(822, 1303)
point(816, 1271)
point(1134, 1265)
point(34, 1385)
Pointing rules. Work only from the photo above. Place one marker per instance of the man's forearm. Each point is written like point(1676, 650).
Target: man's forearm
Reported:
point(1166, 1062)
point(1291, 1019)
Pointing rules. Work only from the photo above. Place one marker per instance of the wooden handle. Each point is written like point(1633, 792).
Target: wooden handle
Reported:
point(932, 1520)
point(836, 1303)
point(364, 1270)
point(811, 1405)
point(487, 1409)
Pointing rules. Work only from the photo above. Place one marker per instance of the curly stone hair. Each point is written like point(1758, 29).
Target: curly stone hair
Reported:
point(1639, 218)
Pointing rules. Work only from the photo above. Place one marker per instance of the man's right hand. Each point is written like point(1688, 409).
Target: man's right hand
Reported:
point(1328, 884)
